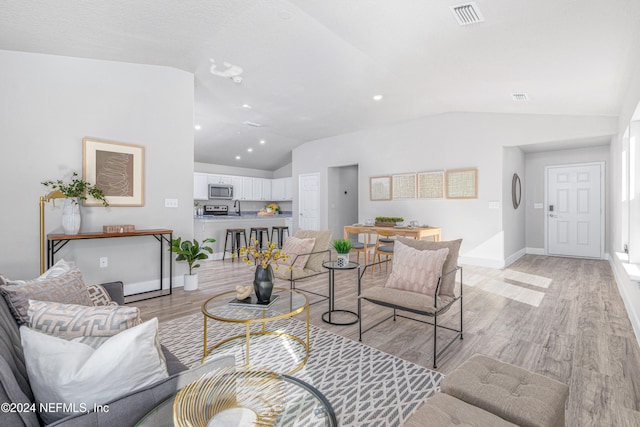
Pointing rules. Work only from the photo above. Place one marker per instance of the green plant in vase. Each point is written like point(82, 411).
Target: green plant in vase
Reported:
point(342, 247)
point(191, 251)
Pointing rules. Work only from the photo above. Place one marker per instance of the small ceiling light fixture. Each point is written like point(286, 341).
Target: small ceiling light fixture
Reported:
point(250, 149)
point(377, 97)
point(247, 106)
point(237, 157)
point(198, 127)
point(262, 141)
point(254, 124)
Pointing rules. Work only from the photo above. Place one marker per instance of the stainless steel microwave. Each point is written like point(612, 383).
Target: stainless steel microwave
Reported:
point(217, 191)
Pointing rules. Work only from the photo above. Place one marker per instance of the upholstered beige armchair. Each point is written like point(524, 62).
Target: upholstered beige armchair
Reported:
point(305, 257)
point(422, 282)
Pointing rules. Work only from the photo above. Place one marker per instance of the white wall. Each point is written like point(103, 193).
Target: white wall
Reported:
point(534, 182)
point(513, 220)
point(447, 141)
point(48, 104)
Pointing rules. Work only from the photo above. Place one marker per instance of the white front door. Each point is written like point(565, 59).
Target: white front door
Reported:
point(574, 209)
point(309, 201)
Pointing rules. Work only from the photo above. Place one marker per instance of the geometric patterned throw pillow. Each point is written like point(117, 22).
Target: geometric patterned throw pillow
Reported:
point(71, 320)
point(100, 296)
point(68, 288)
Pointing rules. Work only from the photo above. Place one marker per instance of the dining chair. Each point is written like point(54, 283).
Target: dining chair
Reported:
point(384, 246)
point(365, 247)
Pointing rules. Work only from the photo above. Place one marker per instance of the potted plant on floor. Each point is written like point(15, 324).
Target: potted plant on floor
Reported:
point(74, 191)
point(343, 247)
point(191, 251)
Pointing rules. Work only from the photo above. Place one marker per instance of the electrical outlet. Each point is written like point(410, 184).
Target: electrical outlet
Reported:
point(170, 203)
point(104, 262)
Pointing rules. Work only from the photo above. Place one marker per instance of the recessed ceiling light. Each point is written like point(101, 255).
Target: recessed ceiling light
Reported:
point(262, 141)
point(377, 97)
point(237, 157)
point(247, 106)
point(198, 127)
point(249, 149)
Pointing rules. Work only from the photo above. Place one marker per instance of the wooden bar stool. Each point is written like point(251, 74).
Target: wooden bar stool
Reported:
point(235, 234)
point(279, 230)
point(260, 234)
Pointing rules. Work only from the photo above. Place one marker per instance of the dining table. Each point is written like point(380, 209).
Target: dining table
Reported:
point(404, 231)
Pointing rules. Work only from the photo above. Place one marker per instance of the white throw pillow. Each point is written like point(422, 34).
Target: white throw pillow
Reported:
point(62, 371)
point(293, 247)
point(415, 270)
point(58, 269)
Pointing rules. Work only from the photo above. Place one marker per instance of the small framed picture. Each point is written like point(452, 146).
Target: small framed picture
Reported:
point(117, 169)
point(380, 188)
point(462, 184)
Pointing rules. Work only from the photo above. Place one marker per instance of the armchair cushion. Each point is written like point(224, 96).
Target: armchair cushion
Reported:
point(415, 270)
point(298, 251)
point(447, 287)
point(323, 239)
point(405, 300)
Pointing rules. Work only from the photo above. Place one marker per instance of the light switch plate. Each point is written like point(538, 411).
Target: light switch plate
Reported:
point(538, 206)
point(170, 203)
point(494, 204)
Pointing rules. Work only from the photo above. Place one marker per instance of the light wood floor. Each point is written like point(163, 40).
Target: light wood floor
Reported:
point(560, 317)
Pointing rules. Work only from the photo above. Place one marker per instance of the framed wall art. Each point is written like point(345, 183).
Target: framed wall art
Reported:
point(431, 185)
point(117, 169)
point(462, 184)
point(404, 186)
point(380, 188)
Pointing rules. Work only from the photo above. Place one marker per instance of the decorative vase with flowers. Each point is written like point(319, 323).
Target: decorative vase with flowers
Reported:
point(263, 259)
point(75, 190)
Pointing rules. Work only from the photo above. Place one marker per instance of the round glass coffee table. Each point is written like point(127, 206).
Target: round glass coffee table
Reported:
point(285, 304)
point(303, 405)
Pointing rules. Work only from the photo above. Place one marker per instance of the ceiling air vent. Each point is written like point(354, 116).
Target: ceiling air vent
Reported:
point(519, 97)
point(467, 13)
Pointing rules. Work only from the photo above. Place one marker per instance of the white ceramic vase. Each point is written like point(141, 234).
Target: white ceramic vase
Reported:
point(71, 215)
point(190, 282)
point(343, 260)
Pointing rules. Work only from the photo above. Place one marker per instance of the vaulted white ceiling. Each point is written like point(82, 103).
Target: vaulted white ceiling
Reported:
point(310, 68)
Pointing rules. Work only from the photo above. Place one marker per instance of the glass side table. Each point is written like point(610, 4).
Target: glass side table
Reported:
point(332, 266)
point(289, 304)
point(304, 405)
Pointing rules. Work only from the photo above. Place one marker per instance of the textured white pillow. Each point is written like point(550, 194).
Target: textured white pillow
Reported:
point(293, 247)
point(62, 371)
point(56, 270)
point(415, 270)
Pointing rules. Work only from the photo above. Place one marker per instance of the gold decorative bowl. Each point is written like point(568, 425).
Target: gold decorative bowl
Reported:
point(251, 397)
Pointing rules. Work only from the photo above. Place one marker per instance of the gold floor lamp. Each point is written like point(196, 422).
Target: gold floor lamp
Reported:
point(55, 194)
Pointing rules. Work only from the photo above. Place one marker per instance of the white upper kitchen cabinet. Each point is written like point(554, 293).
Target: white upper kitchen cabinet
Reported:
point(200, 186)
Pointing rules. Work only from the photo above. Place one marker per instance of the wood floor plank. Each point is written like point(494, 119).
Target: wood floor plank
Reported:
point(579, 333)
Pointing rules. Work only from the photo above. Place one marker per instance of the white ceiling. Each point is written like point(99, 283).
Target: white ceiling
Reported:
point(310, 68)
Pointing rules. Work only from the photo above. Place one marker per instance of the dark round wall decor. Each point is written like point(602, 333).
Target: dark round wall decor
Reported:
point(516, 191)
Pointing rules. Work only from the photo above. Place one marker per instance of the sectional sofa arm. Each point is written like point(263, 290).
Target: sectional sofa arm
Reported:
point(129, 409)
point(115, 291)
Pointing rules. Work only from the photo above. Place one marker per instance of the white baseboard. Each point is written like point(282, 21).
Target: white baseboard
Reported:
point(152, 285)
point(514, 257)
point(535, 251)
point(625, 285)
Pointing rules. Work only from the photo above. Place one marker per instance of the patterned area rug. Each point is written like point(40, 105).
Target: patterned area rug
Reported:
point(365, 386)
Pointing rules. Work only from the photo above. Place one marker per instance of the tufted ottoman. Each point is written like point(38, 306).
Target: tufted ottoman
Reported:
point(512, 393)
point(442, 410)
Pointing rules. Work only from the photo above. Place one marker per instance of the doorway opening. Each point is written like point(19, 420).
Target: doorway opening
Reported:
point(342, 198)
